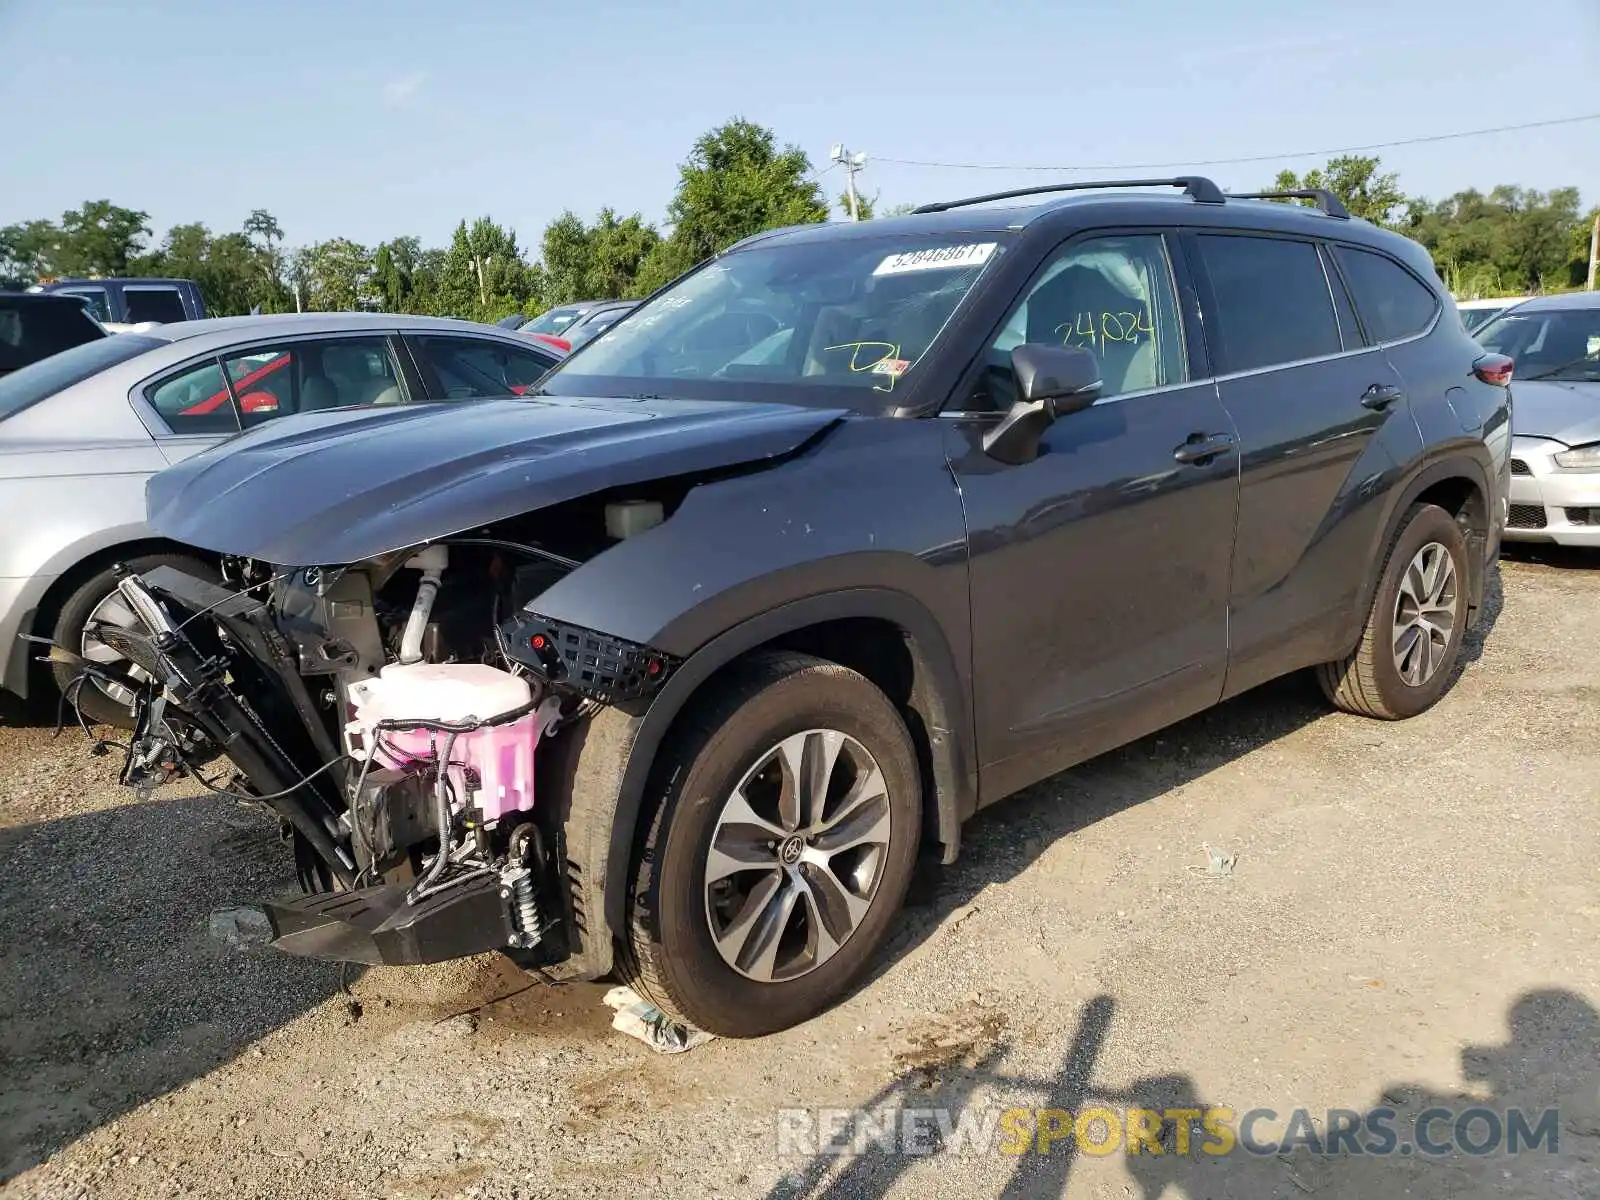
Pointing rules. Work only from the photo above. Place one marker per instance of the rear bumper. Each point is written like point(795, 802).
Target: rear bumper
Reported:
point(1549, 504)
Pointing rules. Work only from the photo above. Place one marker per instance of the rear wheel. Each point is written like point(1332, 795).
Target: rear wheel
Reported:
point(780, 851)
point(1407, 655)
point(98, 602)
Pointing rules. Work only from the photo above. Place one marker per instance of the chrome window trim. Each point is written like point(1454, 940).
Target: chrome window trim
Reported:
point(1218, 379)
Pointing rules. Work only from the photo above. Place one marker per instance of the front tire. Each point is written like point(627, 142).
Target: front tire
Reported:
point(96, 600)
point(1407, 654)
point(773, 866)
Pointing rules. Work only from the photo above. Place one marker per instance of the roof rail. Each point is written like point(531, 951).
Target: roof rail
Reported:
point(1198, 186)
point(1326, 200)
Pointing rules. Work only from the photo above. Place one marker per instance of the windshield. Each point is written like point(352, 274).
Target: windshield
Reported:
point(1550, 343)
point(553, 321)
point(1476, 318)
point(849, 313)
point(26, 387)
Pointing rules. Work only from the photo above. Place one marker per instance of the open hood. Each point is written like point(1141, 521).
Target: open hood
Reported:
point(341, 487)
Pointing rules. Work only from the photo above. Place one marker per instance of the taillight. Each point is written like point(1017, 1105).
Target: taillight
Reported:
point(1494, 368)
point(549, 339)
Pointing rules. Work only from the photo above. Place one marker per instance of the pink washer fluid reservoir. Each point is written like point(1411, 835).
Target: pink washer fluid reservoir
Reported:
point(502, 755)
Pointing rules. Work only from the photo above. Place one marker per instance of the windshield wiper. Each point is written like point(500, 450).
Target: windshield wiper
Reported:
point(1554, 371)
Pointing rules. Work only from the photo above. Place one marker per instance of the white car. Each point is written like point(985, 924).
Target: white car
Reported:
point(1475, 314)
point(1555, 417)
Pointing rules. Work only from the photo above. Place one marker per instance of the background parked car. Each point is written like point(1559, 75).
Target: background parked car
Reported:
point(596, 321)
point(1475, 314)
point(1555, 464)
point(556, 320)
point(117, 303)
point(81, 431)
point(33, 327)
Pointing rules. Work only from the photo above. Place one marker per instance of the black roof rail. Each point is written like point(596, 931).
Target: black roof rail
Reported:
point(1198, 186)
point(1326, 200)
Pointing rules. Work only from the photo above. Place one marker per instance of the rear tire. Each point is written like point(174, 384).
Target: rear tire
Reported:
point(1405, 660)
point(701, 943)
point(93, 702)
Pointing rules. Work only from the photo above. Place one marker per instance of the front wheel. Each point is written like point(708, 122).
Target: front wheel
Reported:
point(1407, 655)
point(780, 850)
point(95, 603)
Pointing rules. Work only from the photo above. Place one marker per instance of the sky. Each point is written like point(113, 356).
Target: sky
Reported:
point(375, 120)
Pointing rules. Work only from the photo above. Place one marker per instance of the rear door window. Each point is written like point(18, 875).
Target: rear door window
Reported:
point(1272, 301)
point(264, 382)
point(163, 304)
point(459, 368)
point(1394, 304)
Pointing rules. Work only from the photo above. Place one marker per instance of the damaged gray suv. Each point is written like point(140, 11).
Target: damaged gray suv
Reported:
point(672, 667)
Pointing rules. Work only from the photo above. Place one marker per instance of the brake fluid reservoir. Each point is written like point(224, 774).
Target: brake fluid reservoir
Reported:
point(629, 517)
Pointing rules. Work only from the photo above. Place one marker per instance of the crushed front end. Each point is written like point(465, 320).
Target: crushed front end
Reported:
point(397, 714)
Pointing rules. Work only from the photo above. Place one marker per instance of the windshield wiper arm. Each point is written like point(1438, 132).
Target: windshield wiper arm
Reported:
point(1563, 367)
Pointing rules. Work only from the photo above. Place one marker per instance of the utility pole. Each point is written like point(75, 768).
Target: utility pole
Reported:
point(1594, 251)
point(851, 164)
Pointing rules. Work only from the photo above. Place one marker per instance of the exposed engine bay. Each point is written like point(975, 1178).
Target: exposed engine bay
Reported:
point(394, 713)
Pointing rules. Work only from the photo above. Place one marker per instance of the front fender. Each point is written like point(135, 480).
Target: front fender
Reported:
point(866, 525)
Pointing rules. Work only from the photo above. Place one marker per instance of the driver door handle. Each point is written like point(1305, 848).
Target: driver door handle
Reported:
point(1380, 395)
point(1201, 448)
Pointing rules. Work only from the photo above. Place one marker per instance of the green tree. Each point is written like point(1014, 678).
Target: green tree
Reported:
point(333, 276)
point(1357, 181)
point(26, 252)
point(737, 182)
point(265, 237)
point(566, 254)
point(99, 238)
point(484, 274)
point(618, 250)
point(393, 267)
point(866, 207)
point(1510, 241)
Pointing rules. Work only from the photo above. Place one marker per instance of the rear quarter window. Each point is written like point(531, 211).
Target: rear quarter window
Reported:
point(1393, 303)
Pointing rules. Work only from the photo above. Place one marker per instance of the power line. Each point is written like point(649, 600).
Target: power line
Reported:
point(1252, 158)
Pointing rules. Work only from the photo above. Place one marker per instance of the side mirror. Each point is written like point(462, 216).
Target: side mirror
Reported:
point(1052, 381)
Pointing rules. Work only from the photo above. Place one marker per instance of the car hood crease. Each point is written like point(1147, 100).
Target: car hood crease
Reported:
point(335, 488)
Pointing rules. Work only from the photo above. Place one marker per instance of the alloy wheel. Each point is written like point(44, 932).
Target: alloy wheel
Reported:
point(1425, 614)
point(112, 611)
point(797, 855)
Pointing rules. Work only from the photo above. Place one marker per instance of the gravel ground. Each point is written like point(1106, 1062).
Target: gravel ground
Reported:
point(1413, 919)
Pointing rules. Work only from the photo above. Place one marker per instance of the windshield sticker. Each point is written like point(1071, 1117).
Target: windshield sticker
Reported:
point(894, 367)
point(942, 258)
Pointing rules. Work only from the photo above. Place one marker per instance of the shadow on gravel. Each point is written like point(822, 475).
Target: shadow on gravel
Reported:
point(112, 989)
point(1003, 840)
point(1564, 558)
point(1531, 1126)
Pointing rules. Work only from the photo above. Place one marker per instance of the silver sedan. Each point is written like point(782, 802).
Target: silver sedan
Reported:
point(1555, 417)
point(80, 432)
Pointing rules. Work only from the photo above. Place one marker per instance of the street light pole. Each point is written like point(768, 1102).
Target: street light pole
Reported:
point(1594, 250)
point(851, 164)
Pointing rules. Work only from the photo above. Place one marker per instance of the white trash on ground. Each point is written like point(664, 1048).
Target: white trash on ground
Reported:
point(638, 1018)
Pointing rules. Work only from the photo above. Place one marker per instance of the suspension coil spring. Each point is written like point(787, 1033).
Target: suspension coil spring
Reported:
point(517, 887)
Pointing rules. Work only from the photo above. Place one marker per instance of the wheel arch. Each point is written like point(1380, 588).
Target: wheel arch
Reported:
point(82, 566)
point(1460, 485)
point(616, 754)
